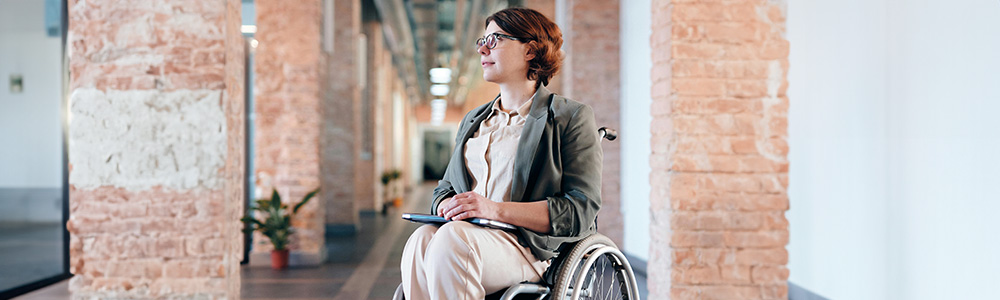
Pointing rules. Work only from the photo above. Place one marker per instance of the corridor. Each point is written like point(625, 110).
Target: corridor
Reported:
point(149, 134)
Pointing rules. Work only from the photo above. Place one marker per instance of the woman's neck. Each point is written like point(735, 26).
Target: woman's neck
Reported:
point(513, 95)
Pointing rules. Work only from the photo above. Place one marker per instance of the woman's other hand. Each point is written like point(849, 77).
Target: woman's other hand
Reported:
point(469, 205)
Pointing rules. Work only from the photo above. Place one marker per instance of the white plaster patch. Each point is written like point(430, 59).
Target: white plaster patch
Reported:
point(775, 77)
point(140, 139)
point(196, 25)
point(139, 59)
point(136, 31)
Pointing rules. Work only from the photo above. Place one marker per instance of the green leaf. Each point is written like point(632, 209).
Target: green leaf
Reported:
point(305, 200)
point(263, 205)
point(275, 199)
point(256, 222)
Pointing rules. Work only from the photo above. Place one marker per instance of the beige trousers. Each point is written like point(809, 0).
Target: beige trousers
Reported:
point(463, 261)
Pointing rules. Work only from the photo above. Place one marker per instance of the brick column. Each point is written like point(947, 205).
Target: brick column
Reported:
point(341, 138)
point(381, 107)
point(288, 104)
point(155, 149)
point(719, 162)
point(592, 76)
point(368, 193)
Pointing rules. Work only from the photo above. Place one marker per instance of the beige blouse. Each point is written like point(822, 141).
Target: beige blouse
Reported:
point(489, 154)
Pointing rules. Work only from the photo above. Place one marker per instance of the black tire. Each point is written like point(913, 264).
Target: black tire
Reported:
point(570, 268)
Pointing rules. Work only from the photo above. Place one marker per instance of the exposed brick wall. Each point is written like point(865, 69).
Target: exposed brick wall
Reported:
point(719, 162)
point(385, 72)
point(409, 131)
point(592, 76)
point(388, 105)
point(548, 8)
point(155, 149)
point(289, 117)
point(341, 140)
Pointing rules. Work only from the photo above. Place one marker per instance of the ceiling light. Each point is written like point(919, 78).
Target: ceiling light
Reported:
point(440, 75)
point(439, 90)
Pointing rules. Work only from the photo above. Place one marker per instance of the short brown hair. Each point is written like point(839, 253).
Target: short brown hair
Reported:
point(543, 37)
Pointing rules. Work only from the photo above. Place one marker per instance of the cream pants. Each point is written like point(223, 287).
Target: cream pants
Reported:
point(463, 261)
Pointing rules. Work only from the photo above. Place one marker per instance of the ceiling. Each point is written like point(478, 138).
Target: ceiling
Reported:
point(423, 34)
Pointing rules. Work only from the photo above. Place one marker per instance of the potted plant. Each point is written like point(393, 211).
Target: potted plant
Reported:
point(276, 224)
point(387, 178)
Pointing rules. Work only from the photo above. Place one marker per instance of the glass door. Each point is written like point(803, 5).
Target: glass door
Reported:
point(33, 193)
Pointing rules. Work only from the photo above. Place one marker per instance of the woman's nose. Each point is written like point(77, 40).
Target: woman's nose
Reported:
point(483, 50)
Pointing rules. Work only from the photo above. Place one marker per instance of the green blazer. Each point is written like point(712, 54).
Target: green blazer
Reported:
point(558, 159)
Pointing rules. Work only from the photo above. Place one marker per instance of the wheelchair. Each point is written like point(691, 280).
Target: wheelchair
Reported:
point(591, 268)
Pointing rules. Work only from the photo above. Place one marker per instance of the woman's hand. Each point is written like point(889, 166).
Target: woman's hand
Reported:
point(442, 205)
point(469, 205)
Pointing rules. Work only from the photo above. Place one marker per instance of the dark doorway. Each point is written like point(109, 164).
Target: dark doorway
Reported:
point(437, 151)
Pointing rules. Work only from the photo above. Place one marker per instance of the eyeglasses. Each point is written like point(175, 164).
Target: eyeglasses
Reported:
point(490, 40)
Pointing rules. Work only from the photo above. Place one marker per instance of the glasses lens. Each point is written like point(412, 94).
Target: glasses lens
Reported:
point(480, 42)
point(491, 41)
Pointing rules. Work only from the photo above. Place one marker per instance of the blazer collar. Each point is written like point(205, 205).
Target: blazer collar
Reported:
point(539, 106)
point(540, 103)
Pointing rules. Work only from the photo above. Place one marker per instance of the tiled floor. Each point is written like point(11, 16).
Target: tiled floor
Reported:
point(361, 266)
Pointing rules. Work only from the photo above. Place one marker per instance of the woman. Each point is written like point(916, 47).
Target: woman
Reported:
point(528, 158)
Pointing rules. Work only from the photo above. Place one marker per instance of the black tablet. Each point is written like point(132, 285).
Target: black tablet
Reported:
point(438, 220)
point(425, 218)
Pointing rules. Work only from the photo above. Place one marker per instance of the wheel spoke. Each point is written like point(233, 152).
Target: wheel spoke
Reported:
point(599, 272)
point(604, 267)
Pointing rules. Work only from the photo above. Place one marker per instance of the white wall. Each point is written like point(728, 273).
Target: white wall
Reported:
point(30, 124)
point(837, 181)
point(636, 86)
point(894, 148)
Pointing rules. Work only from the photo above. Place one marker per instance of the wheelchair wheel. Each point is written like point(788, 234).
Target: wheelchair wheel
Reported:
point(595, 269)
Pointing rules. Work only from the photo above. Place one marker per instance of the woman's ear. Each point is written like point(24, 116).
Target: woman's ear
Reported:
point(529, 51)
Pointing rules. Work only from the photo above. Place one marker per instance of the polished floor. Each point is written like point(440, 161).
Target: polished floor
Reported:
point(360, 266)
point(34, 252)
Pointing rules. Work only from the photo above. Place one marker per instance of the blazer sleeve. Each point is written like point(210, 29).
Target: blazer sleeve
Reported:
point(574, 209)
point(443, 190)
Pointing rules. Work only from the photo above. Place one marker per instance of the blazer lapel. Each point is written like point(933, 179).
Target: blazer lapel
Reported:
point(528, 144)
point(462, 184)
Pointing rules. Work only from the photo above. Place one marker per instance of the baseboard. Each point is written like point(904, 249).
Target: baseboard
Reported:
point(295, 258)
point(796, 292)
point(333, 230)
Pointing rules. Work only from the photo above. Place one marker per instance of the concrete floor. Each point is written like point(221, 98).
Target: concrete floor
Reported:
point(361, 266)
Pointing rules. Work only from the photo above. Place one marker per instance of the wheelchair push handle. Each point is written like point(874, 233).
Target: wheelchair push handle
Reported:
point(608, 133)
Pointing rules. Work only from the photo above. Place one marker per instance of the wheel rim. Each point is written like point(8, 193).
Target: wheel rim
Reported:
point(607, 276)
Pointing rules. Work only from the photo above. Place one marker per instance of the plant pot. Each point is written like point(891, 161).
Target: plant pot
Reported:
point(398, 201)
point(279, 259)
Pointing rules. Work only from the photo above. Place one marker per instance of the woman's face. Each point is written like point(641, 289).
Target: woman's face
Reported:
point(507, 62)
